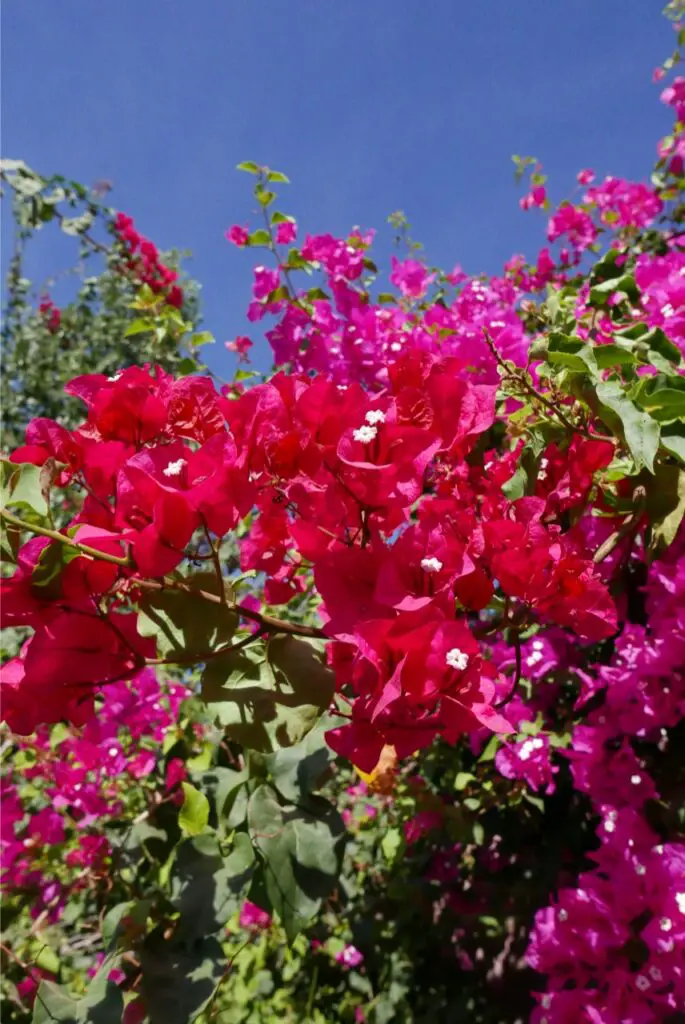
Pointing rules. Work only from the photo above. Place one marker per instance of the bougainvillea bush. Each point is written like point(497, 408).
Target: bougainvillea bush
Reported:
point(356, 692)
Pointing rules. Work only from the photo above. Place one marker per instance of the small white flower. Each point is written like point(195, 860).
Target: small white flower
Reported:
point(113, 751)
point(563, 915)
point(680, 900)
point(534, 658)
point(640, 869)
point(665, 924)
point(667, 310)
point(538, 645)
point(642, 983)
point(374, 416)
point(174, 468)
point(497, 323)
point(636, 779)
point(115, 376)
point(365, 434)
point(609, 826)
point(431, 564)
point(525, 750)
point(395, 347)
point(457, 659)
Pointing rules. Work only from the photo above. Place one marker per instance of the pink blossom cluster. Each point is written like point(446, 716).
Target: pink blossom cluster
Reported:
point(81, 778)
point(612, 946)
point(661, 279)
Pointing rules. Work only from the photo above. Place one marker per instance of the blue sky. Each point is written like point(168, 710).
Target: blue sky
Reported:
point(368, 107)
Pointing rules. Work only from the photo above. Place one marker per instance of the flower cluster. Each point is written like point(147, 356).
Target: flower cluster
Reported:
point(52, 842)
point(143, 260)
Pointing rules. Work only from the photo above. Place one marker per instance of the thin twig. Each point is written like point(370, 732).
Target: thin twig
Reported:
point(630, 524)
point(84, 549)
point(534, 393)
point(517, 678)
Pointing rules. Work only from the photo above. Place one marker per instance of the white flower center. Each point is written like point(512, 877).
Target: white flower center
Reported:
point(431, 564)
point(680, 900)
point(174, 468)
point(457, 659)
point(374, 416)
point(365, 434)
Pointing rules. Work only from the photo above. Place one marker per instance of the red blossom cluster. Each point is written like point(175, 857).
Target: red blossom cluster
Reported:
point(50, 313)
point(393, 499)
point(143, 260)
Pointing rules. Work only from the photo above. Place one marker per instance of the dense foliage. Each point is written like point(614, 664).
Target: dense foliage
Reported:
point(356, 693)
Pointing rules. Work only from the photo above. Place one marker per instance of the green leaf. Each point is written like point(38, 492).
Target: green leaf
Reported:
point(27, 184)
point(206, 887)
point(278, 176)
point(640, 431)
point(278, 294)
point(103, 1002)
point(297, 770)
point(573, 353)
point(264, 197)
point(249, 166)
point(226, 788)
point(391, 844)
point(673, 440)
point(53, 1004)
point(77, 225)
point(613, 355)
point(184, 624)
point(22, 485)
point(666, 505)
point(139, 327)
point(664, 403)
point(260, 237)
point(625, 283)
point(281, 218)
point(43, 956)
point(202, 338)
point(179, 981)
point(194, 814)
point(301, 852)
point(463, 779)
point(186, 367)
point(268, 697)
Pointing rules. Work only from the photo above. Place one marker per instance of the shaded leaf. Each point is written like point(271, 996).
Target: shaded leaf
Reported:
point(178, 982)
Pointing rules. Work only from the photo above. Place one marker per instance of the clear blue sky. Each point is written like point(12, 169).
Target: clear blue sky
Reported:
point(368, 106)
